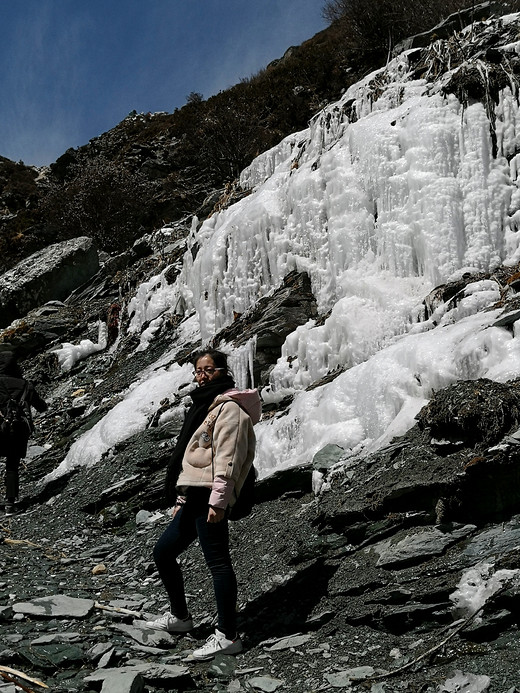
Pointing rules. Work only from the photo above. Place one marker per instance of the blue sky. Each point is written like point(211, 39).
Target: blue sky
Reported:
point(72, 70)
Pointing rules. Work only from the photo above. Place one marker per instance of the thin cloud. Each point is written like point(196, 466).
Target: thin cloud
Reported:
point(71, 71)
point(42, 85)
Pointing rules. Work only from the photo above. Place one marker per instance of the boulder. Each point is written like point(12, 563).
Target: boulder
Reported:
point(49, 274)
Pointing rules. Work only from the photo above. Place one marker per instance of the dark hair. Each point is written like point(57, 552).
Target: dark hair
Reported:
point(219, 358)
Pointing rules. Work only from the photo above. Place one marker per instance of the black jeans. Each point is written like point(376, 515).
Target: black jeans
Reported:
point(12, 478)
point(189, 523)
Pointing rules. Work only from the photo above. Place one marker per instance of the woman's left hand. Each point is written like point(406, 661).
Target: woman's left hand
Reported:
point(216, 514)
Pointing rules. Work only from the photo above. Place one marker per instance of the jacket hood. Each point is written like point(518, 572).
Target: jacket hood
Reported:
point(248, 400)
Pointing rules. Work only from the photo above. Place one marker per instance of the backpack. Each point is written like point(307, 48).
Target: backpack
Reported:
point(246, 500)
point(13, 417)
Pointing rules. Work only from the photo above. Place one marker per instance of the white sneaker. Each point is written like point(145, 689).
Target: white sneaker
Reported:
point(218, 644)
point(171, 623)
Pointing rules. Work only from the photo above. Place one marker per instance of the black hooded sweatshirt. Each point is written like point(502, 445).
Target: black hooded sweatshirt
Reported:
point(13, 386)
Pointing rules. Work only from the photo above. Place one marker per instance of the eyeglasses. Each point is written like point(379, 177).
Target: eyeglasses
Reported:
point(207, 371)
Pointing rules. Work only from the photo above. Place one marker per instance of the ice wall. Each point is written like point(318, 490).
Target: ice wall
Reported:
point(391, 191)
point(374, 401)
point(387, 194)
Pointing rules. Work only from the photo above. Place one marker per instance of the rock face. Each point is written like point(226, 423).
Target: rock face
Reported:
point(50, 274)
point(271, 320)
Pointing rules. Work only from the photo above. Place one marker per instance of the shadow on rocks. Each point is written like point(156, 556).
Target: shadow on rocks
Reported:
point(287, 609)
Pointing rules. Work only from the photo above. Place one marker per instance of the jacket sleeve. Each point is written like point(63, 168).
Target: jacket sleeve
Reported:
point(230, 441)
point(221, 492)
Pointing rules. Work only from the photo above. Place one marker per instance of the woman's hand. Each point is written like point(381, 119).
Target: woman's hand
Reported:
point(181, 500)
point(215, 514)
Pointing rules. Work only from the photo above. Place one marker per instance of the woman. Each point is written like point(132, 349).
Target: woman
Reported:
point(214, 452)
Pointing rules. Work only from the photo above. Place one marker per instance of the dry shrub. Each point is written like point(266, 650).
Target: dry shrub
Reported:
point(104, 200)
point(375, 26)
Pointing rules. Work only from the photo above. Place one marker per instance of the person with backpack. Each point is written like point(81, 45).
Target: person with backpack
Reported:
point(211, 460)
point(17, 396)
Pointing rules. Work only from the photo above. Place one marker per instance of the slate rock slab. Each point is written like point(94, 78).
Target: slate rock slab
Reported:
point(419, 546)
point(54, 656)
point(56, 606)
point(296, 640)
point(146, 636)
point(151, 673)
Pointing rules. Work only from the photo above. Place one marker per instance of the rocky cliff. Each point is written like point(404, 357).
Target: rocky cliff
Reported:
point(382, 553)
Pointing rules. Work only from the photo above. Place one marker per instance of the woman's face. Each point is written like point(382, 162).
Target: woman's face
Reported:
point(206, 371)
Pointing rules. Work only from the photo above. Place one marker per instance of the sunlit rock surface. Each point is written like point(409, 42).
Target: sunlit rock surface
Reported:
point(50, 274)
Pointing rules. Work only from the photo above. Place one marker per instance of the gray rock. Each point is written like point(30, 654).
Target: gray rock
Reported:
point(49, 274)
point(507, 318)
point(54, 638)
point(99, 650)
point(265, 683)
point(343, 679)
point(489, 626)
point(339, 679)
point(498, 539)
point(56, 606)
point(151, 673)
point(234, 686)
point(123, 682)
point(399, 620)
point(6, 613)
point(131, 604)
point(292, 480)
point(223, 666)
point(327, 457)
point(7, 655)
point(13, 637)
point(274, 317)
point(53, 656)
point(8, 688)
point(146, 636)
point(106, 658)
point(144, 517)
point(286, 643)
point(417, 547)
point(360, 673)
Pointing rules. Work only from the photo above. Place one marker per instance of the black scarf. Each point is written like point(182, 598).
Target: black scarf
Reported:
point(202, 398)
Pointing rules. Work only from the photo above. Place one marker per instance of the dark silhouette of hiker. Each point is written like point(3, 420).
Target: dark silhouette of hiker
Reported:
point(13, 445)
